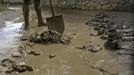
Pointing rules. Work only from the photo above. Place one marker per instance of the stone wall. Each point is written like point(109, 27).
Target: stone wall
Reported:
point(125, 5)
point(11, 1)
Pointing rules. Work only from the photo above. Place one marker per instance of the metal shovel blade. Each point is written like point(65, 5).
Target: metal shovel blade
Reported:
point(56, 23)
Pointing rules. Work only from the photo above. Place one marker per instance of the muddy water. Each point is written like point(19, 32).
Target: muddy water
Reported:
point(9, 34)
point(10, 28)
point(9, 39)
point(68, 60)
point(72, 61)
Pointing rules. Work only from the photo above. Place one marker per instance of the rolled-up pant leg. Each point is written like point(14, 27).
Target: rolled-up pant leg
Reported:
point(38, 12)
point(26, 12)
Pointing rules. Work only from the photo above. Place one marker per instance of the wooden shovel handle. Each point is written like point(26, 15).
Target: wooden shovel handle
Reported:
point(51, 7)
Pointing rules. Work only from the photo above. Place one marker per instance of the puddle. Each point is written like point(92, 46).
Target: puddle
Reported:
point(9, 37)
point(14, 8)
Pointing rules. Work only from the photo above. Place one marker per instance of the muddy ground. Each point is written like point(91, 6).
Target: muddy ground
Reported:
point(68, 59)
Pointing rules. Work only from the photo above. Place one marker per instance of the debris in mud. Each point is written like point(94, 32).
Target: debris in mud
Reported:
point(114, 35)
point(12, 66)
point(19, 68)
point(51, 56)
point(125, 52)
point(106, 28)
point(30, 44)
point(112, 45)
point(102, 23)
point(16, 55)
point(92, 48)
point(7, 62)
point(49, 37)
point(94, 34)
point(33, 53)
point(24, 38)
point(45, 37)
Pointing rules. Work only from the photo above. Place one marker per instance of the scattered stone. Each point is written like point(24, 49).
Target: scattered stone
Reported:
point(65, 40)
point(90, 47)
point(16, 55)
point(51, 56)
point(33, 53)
point(23, 68)
point(94, 34)
point(19, 68)
point(96, 48)
point(107, 29)
point(104, 37)
point(9, 70)
point(112, 45)
point(30, 44)
point(7, 63)
point(12, 66)
point(23, 38)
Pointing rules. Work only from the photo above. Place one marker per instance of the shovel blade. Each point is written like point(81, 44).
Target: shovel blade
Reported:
point(56, 23)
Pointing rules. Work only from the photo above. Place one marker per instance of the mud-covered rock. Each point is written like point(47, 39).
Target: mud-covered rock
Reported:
point(22, 68)
point(46, 37)
point(34, 53)
point(114, 35)
point(19, 69)
point(12, 66)
point(49, 37)
point(96, 48)
point(7, 62)
point(92, 48)
point(51, 56)
point(112, 45)
point(107, 29)
point(16, 55)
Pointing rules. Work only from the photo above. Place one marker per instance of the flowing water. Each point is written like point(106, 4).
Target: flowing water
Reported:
point(10, 30)
point(9, 38)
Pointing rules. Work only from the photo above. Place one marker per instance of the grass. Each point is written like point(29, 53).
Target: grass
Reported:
point(2, 8)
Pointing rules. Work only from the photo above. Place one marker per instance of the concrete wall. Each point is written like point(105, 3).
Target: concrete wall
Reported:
point(11, 1)
point(126, 5)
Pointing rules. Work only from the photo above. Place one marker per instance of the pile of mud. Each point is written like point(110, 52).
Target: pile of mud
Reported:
point(12, 66)
point(48, 37)
point(119, 37)
point(106, 28)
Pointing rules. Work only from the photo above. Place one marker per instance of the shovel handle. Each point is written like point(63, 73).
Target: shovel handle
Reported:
point(51, 7)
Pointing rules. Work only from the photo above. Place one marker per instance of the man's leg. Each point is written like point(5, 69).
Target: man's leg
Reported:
point(26, 13)
point(38, 12)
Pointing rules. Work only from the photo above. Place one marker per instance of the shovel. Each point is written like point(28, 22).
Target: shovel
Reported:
point(55, 23)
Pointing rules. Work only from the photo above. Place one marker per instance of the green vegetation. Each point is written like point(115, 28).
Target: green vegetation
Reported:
point(2, 8)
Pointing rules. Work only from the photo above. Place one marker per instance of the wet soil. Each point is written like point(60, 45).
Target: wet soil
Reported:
point(67, 59)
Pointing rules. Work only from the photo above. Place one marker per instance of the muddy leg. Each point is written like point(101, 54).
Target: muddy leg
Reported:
point(38, 12)
point(26, 13)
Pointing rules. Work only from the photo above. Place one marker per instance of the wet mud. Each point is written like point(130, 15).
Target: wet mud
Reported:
point(59, 59)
